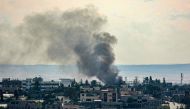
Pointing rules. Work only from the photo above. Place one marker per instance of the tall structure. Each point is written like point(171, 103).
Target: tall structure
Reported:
point(181, 78)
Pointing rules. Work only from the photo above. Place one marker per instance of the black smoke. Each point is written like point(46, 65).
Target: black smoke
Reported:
point(73, 36)
point(98, 60)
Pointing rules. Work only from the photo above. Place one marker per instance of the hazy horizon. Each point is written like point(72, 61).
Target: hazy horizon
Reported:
point(55, 72)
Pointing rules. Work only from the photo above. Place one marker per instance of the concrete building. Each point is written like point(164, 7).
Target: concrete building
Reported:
point(49, 85)
point(44, 85)
point(88, 94)
point(109, 95)
point(89, 97)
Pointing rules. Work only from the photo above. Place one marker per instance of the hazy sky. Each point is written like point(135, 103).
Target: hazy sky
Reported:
point(148, 31)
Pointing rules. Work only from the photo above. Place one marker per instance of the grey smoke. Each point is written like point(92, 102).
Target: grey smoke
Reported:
point(74, 36)
point(97, 61)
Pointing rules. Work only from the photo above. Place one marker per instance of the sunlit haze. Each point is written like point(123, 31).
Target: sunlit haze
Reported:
point(148, 31)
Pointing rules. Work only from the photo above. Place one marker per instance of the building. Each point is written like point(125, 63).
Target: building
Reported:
point(9, 85)
point(66, 82)
point(109, 95)
point(27, 84)
point(89, 96)
point(49, 85)
point(124, 90)
point(43, 85)
point(140, 101)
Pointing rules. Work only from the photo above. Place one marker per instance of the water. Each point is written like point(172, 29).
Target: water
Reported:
point(172, 73)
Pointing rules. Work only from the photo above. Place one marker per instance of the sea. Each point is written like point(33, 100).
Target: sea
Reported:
point(171, 72)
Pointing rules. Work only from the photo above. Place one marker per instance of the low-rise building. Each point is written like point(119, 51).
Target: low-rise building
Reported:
point(109, 95)
point(49, 85)
point(89, 96)
point(140, 101)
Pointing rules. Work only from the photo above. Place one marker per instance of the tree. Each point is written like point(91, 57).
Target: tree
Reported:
point(81, 82)
point(16, 94)
point(154, 90)
point(37, 81)
point(86, 82)
point(150, 79)
point(136, 81)
point(72, 93)
point(157, 81)
point(146, 80)
point(93, 83)
point(73, 83)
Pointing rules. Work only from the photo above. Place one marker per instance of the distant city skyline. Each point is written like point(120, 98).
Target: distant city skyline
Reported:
point(148, 31)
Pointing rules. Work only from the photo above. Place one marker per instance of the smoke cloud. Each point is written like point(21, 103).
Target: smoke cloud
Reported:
point(74, 36)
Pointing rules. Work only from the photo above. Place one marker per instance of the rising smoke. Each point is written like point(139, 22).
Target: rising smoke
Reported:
point(72, 36)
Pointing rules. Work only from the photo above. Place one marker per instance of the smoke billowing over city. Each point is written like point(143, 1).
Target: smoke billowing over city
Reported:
point(73, 36)
point(94, 54)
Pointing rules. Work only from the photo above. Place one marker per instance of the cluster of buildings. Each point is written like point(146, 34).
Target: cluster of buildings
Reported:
point(68, 94)
point(8, 85)
point(124, 97)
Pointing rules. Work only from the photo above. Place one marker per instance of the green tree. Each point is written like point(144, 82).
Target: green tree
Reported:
point(86, 82)
point(93, 83)
point(37, 81)
point(150, 79)
point(146, 80)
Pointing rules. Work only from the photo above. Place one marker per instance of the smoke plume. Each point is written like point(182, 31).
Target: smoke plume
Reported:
point(73, 36)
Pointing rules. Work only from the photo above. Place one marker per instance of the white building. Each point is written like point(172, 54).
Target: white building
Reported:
point(49, 85)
